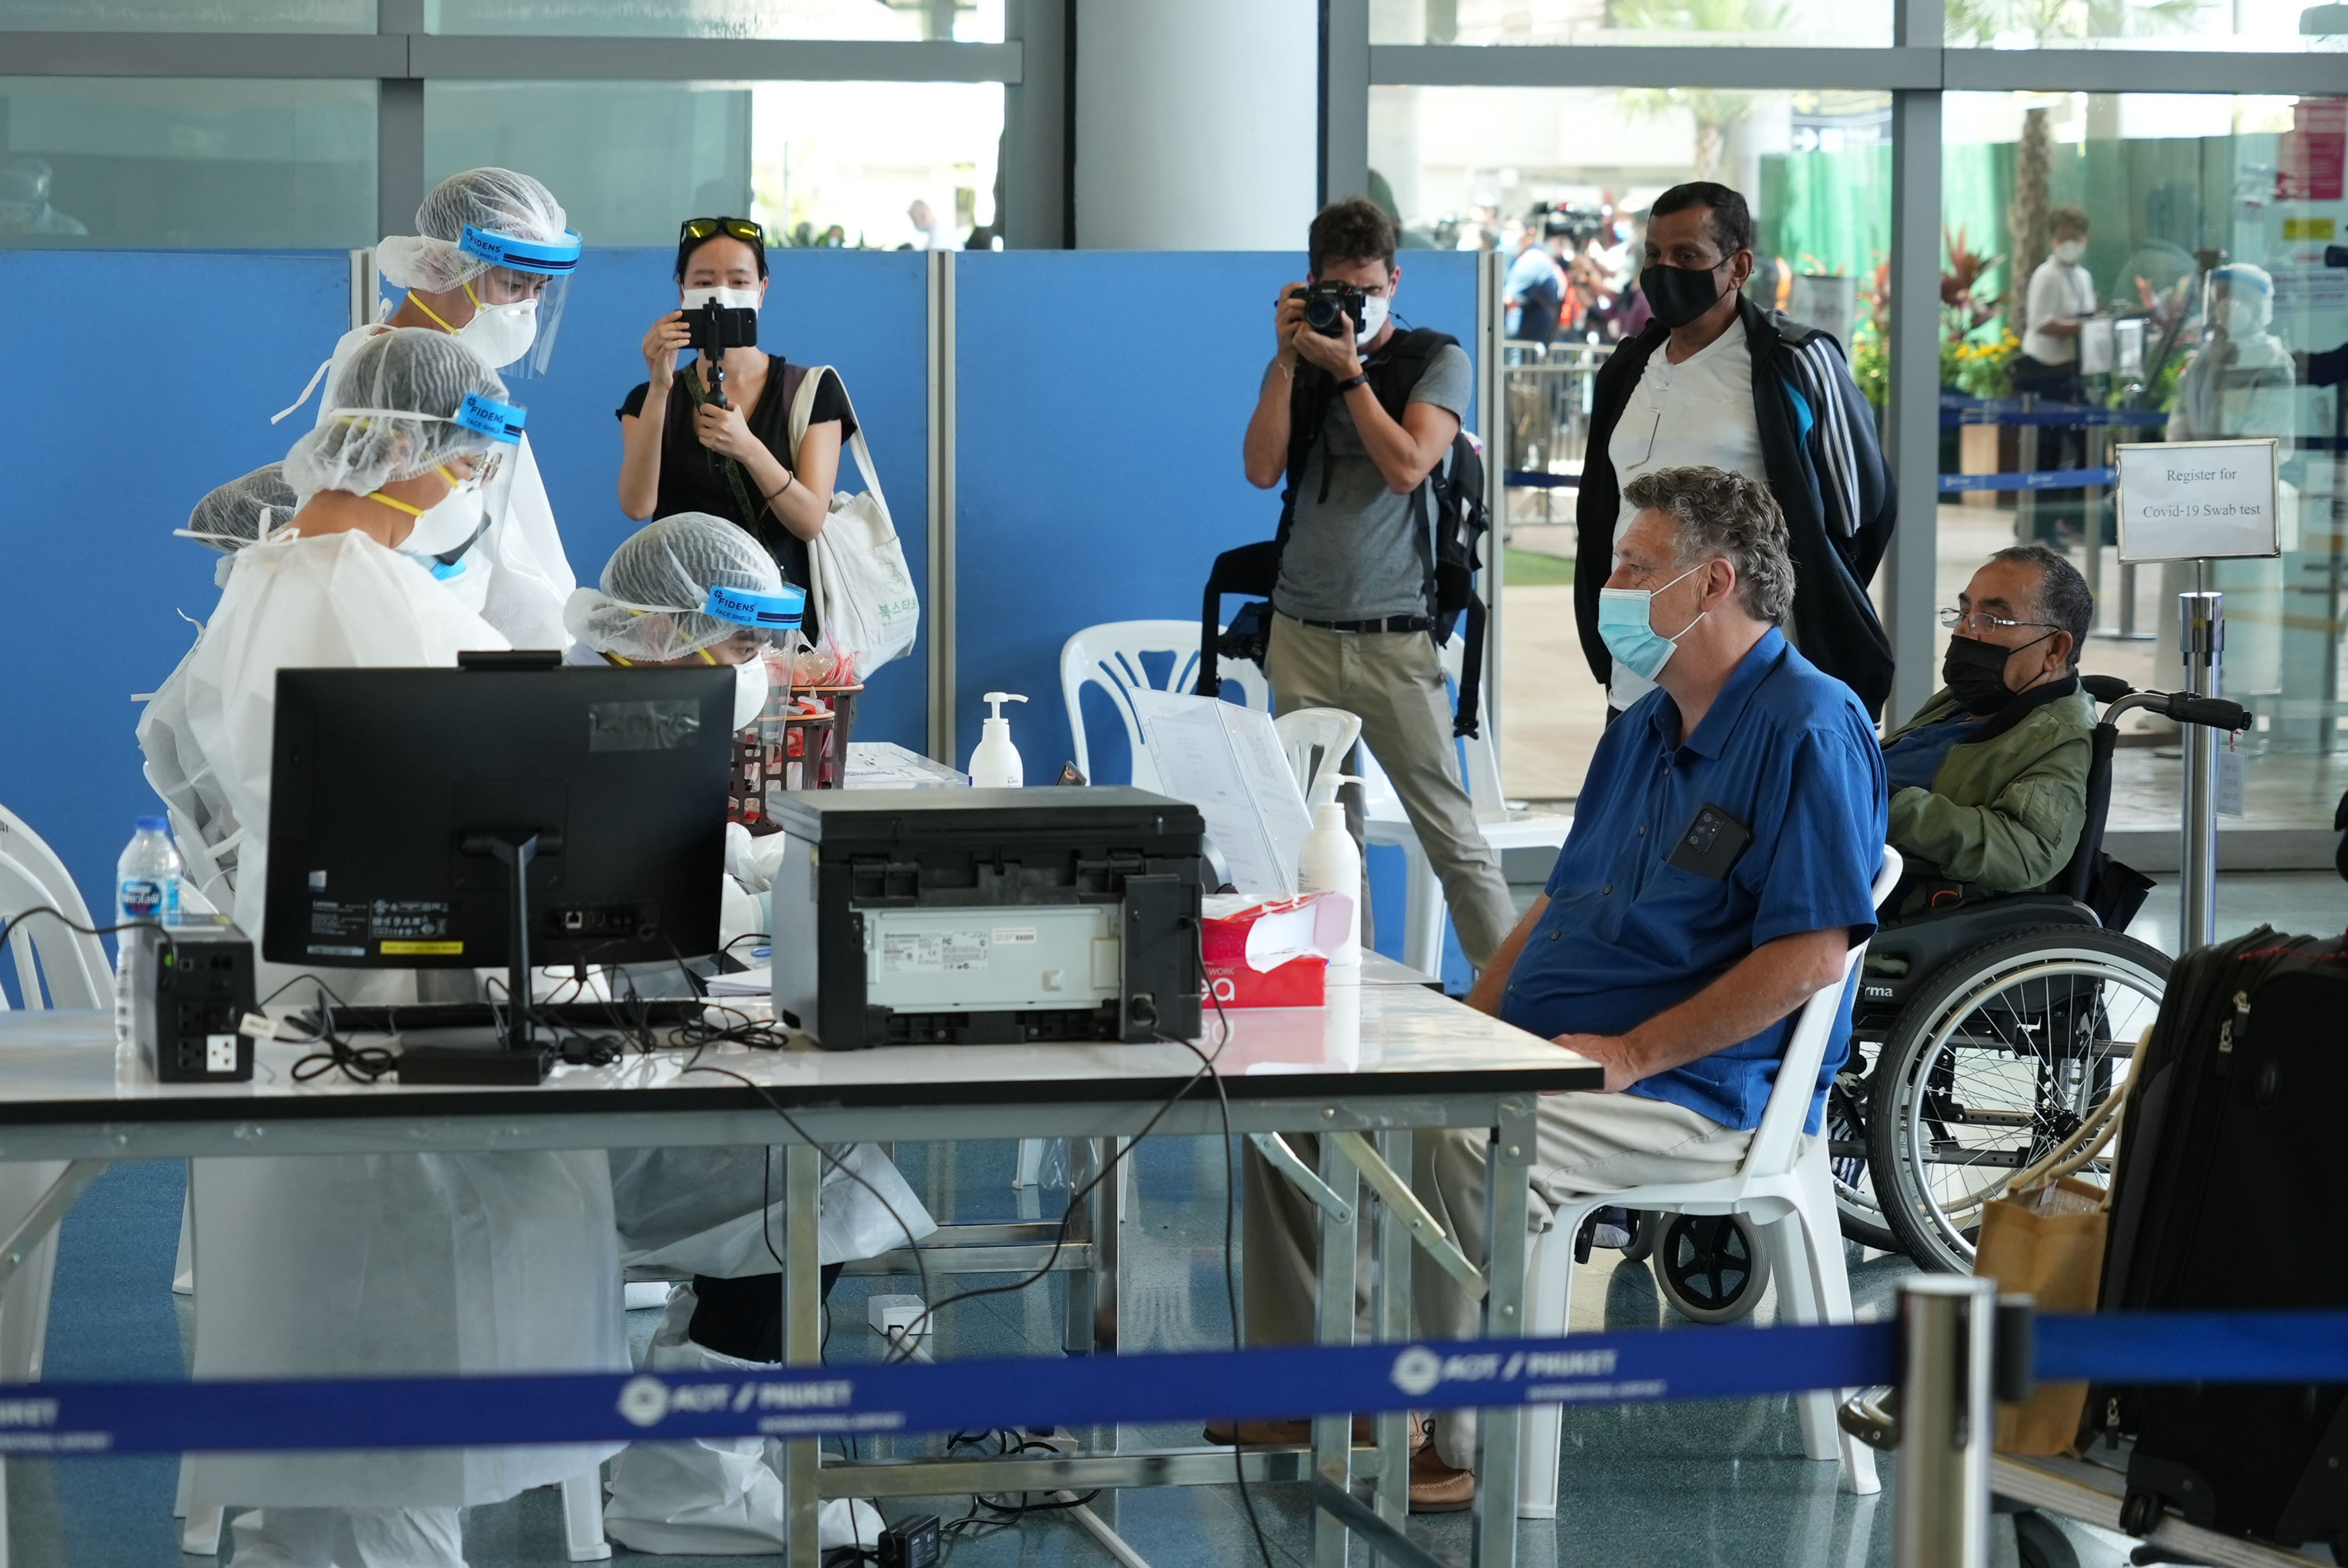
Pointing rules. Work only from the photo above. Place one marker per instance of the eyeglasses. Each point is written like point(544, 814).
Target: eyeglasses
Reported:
point(708, 227)
point(1982, 620)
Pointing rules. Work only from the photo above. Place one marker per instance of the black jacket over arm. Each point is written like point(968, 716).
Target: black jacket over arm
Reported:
point(1825, 469)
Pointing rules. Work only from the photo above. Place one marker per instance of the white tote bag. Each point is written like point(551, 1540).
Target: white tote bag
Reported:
point(864, 591)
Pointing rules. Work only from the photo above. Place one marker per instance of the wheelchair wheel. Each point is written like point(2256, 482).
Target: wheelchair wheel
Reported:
point(1857, 1207)
point(1993, 1061)
point(1710, 1267)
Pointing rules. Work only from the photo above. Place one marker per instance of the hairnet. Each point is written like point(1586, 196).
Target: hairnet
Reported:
point(650, 607)
point(244, 510)
point(390, 414)
point(2253, 285)
point(498, 201)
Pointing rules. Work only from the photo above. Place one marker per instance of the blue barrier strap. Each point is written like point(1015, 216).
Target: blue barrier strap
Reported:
point(2063, 415)
point(1535, 479)
point(2194, 1348)
point(1602, 1368)
point(2044, 479)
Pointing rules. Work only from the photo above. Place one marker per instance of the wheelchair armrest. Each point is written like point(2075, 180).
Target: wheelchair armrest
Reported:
point(1903, 954)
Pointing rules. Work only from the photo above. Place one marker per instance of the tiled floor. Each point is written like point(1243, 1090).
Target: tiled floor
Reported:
point(1718, 1483)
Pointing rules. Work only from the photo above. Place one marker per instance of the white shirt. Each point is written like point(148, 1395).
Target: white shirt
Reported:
point(1698, 412)
point(2059, 292)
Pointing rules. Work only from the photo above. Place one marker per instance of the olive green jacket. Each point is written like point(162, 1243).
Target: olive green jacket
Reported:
point(2005, 810)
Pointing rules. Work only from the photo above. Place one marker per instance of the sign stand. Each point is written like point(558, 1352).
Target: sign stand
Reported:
point(2201, 635)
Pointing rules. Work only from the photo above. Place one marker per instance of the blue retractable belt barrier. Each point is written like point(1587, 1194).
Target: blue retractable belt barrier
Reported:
point(1595, 1369)
point(1534, 479)
point(2044, 479)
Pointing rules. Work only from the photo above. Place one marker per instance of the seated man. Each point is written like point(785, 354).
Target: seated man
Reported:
point(1674, 959)
point(1989, 780)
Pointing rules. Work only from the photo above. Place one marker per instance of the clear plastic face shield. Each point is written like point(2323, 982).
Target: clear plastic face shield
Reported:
point(518, 298)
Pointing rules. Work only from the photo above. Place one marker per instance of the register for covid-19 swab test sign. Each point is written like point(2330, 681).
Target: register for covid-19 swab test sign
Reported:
point(2197, 500)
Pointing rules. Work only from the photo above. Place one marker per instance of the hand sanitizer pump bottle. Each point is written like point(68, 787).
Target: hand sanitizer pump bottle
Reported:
point(995, 764)
point(1331, 862)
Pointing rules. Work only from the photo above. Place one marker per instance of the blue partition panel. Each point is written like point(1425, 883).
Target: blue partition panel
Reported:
point(1101, 400)
point(866, 312)
point(131, 384)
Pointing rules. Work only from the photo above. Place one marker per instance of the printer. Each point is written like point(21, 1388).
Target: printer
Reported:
point(987, 916)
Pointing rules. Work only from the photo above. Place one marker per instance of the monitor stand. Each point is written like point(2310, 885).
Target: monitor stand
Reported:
point(518, 1054)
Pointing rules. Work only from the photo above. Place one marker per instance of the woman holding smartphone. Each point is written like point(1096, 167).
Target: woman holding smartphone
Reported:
point(695, 440)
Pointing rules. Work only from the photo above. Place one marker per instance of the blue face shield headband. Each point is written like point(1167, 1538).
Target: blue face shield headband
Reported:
point(558, 258)
point(498, 421)
point(776, 611)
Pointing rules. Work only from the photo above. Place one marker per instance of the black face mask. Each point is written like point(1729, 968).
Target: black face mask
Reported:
point(1679, 294)
point(1974, 672)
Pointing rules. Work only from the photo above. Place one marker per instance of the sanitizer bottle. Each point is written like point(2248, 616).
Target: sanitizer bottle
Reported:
point(1331, 862)
point(996, 765)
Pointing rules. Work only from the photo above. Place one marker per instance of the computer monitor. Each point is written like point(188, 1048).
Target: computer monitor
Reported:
point(509, 812)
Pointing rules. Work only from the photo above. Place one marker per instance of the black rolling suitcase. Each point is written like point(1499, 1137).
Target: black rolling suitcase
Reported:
point(2230, 1195)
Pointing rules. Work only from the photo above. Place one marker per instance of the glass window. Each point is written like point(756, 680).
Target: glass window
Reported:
point(1569, 173)
point(629, 159)
point(963, 21)
point(145, 163)
point(2212, 269)
point(1780, 23)
point(2270, 24)
point(177, 16)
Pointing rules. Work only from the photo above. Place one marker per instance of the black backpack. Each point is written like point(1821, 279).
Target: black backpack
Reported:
point(1448, 507)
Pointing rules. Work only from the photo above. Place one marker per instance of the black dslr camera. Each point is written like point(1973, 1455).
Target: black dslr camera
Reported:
point(717, 328)
point(1333, 309)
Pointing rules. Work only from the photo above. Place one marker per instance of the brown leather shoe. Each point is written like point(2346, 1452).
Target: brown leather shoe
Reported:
point(1437, 1488)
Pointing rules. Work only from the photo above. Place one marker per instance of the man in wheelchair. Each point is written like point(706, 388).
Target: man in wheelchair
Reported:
point(1989, 780)
point(1720, 867)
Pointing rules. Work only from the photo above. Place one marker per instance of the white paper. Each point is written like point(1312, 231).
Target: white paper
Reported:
point(884, 764)
point(1227, 761)
point(2197, 500)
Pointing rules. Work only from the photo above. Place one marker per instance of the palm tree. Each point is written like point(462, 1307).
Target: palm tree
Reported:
point(1716, 113)
point(2027, 24)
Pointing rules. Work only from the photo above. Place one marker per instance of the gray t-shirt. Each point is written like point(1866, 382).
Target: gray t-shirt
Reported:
point(1355, 556)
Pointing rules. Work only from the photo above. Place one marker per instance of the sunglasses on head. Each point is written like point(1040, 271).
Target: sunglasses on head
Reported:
point(708, 227)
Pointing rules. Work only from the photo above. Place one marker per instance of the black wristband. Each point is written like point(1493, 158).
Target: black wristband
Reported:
point(1359, 378)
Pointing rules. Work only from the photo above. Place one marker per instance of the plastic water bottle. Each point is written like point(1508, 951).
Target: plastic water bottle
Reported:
point(145, 888)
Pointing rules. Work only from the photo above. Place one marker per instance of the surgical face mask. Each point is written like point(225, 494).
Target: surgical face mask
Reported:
point(1374, 318)
point(1974, 672)
point(2241, 318)
point(1626, 627)
point(500, 335)
point(750, 687)
point(2069, 252)
point(724, 299)
point(1678, 295)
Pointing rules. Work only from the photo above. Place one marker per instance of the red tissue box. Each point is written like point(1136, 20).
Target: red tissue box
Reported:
point(1272, 952)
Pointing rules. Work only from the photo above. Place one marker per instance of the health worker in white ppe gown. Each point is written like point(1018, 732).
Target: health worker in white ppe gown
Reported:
point(490, 264)
point(695, 589)
point(367, 1264)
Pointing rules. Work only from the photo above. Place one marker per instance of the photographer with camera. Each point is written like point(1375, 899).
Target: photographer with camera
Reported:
point(715, 437)
point(1357, 418)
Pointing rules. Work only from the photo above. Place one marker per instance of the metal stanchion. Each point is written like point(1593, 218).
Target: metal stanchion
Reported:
point(1940, 1477)
point(2201, 635)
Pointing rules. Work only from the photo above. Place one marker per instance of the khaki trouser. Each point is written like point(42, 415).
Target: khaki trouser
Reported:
point(1590, 1143)
point(1393, 681)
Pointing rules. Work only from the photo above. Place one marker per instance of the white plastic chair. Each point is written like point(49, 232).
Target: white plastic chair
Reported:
point(1423, 905)
point(73, 962)
point(1110, 655)
point(1316, 741)
point(1785, 1189)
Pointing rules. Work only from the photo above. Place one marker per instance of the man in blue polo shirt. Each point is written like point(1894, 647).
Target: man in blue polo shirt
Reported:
point(1720, 868)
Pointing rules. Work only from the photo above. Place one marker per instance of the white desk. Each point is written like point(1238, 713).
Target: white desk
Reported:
point(1382, 1060)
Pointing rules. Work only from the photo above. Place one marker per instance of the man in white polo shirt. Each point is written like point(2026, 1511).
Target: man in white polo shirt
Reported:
point(1715, 382)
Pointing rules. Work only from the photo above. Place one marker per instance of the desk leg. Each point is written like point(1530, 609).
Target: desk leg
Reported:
point(1394, 1254)
point(1091, 1293)
point(802, 1341)
point(1506, 1194)
point(1332, 1430)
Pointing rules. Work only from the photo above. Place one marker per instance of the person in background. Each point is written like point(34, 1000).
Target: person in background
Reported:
point(490, 264)
point(1534, 289)
point(681, 451)
point(1714, 381)
point(692, 588)
point(25, 201)
point(934, 235)
point(1989, 780)
point(380, 1265)
point(2061, 295)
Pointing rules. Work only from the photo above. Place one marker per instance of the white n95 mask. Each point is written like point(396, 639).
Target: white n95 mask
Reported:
point(500, 335)
point(1373, 318)
point(442, 528)
point(750, 688)
point(724, 299)
point(2070, 250)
